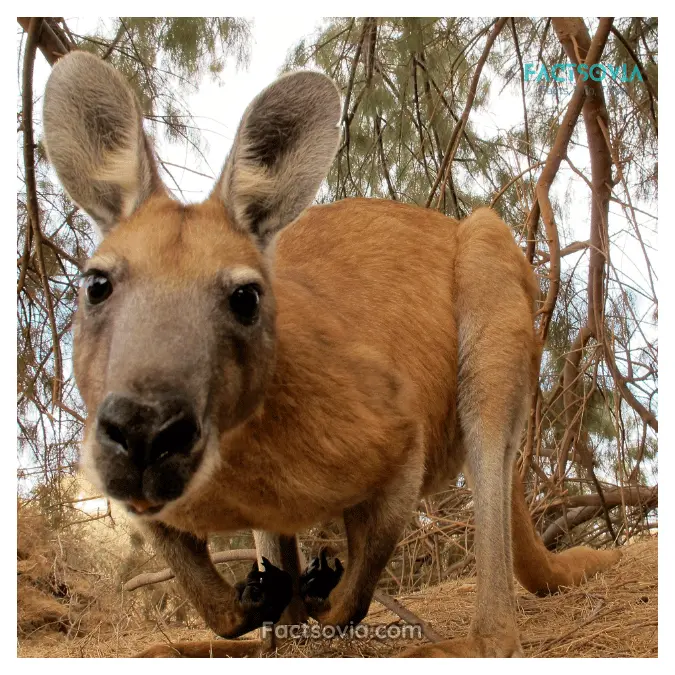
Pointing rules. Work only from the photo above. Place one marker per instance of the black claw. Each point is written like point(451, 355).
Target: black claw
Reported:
point(319, 579)
point(264, 594)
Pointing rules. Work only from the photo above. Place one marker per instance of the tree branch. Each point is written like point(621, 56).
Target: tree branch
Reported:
point(587, 507)
point(548, 174)
point(383, 160)
point(453, 143)
point(49, 43)
point(397, 608)
point(166, 574)
point(647, 82)
point(31, 195)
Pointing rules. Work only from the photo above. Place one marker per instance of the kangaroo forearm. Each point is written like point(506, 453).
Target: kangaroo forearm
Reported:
point(214, 599)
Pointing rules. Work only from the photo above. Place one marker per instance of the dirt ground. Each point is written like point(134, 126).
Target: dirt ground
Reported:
point(613, 615)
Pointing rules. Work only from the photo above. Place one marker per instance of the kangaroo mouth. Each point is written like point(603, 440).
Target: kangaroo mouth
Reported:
point(143, 507)
point(144, 491)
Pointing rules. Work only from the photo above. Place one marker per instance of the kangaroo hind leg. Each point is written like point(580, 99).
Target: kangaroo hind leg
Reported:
point(373, 529)
point(496, 342)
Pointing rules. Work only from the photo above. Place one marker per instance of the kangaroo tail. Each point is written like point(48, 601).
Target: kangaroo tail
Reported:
point(539, 570)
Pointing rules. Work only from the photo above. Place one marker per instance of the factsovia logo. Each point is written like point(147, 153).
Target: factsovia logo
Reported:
point(564, 72)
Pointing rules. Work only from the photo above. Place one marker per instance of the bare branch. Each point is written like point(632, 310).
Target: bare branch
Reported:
point(31, 195)
point(453, 144)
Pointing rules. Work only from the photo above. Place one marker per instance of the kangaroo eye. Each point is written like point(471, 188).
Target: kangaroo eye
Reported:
point(245, 302)
point(97, 287)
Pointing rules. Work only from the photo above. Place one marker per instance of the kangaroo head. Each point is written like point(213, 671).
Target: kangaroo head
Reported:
point(174, 334)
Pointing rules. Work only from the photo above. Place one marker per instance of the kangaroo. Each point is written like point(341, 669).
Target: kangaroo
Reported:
point(249, 362)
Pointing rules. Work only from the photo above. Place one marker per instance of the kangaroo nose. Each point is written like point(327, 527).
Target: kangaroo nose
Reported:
point(146, 432)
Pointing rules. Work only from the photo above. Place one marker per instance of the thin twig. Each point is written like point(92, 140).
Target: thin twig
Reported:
point(31, 196)
point(453, 144)
point(397, 608)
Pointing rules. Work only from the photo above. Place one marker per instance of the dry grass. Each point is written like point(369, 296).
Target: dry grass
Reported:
point(613, 615)
point(57, 589)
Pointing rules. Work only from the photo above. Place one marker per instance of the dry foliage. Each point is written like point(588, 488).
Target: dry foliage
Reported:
point(53, 592)
point(70, 575)
point(613, 615)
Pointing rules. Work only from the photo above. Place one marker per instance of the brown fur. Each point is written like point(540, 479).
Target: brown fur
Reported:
point(395, 346)
point(539, 570)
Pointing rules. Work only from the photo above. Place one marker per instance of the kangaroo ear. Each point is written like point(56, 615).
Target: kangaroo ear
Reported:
point(285, 144)
point(94, 137)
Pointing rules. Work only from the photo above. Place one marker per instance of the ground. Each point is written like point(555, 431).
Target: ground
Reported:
point(613, 615)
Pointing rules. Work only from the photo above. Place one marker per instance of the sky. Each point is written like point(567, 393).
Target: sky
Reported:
point(218, 106)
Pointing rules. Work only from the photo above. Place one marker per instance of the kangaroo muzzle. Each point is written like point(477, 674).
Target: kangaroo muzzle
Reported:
point(147, 448)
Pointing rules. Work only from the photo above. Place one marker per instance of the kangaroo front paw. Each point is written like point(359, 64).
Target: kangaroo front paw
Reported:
point(317, 581)
point(264, 595)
